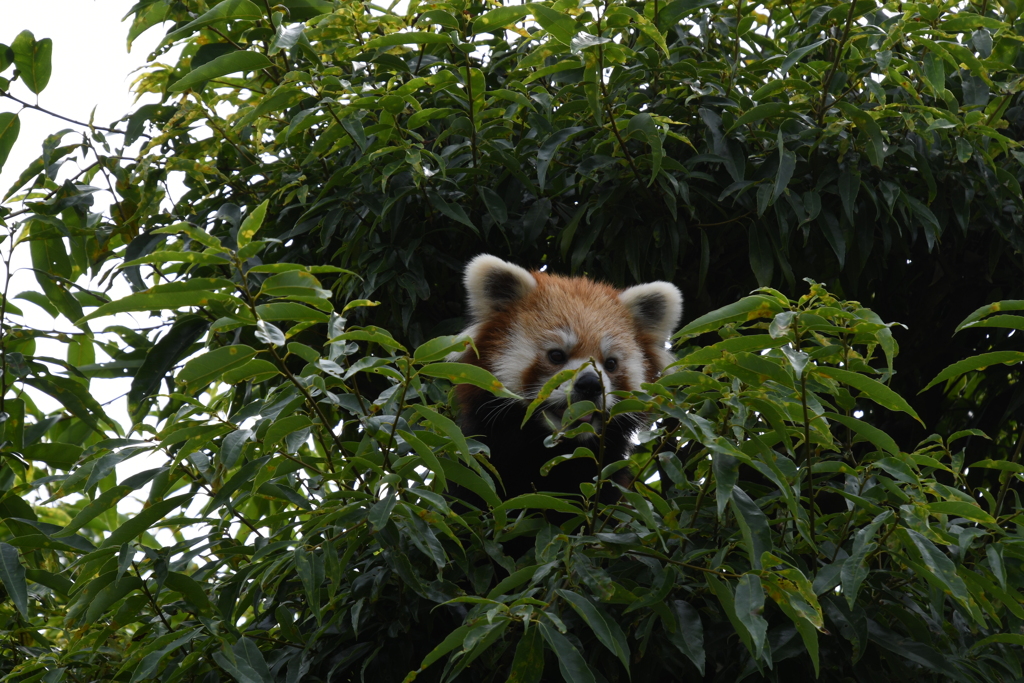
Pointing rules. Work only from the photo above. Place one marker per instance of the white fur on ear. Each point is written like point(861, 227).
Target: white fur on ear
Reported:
point(492, 285)
point(655, 306)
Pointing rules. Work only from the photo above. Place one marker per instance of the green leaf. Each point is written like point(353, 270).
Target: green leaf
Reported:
point(546, 151)
point(60, 455)
point(429, 114)
point(194, 233)
point(157, 301)
point(108, 501)
point(749, 604)
point(75, 397)
point(233, 62)
point(1011, 638)
point(200, 371)
point(689, 637)
point(141, 522)
point(244, 662)
point(408, 38)
point(940, 566)
point(747, 308)
point(294, 283)
point(190, 589)
point(1010, 305)
point(868, 125)
point(1004, 465)
point(979, 362)
point(539, 501)
point(224, 11)
point(935, 72)
point(798, 54)
point(570, 662)
point(960, 509)
point(855, 569)
point(444, 426)
point(431, 461)
point(464, 373)
point(500, 17)
point(290, 310)
point(155, 652)
point(164, 355)
point(874, 435)
point(252, 223)
point(190, 257)
point(10, 126)
point(440, 347)
point(33, 59)
point(757, 536)
point(453, 211)
point(562, 27)
point(528, 663)
point(257, 370)
point(12, 574)
point(604, 627)
point(787, 164)
point(283, 427)
point(759, 113)
point(146, 19)
point(870, 388)
point(1012, 322)
point(310, 568)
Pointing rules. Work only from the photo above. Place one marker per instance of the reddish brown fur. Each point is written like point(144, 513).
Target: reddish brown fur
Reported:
point(590, 309)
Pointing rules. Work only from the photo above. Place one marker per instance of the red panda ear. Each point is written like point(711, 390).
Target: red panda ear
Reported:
point(656, 307)
point(492, 285)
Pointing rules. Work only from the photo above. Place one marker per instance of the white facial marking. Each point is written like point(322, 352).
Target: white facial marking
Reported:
point(517, 354)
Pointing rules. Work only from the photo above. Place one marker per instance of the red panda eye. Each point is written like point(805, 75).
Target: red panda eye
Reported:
point(610, 364)
point(557, 356)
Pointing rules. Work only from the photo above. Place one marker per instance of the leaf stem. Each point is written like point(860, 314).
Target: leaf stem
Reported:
point(1009, 476)
point(835, 64)
point(808, 451)
point(27, 105)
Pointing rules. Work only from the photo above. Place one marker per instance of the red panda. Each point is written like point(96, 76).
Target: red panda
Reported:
point(527, 326)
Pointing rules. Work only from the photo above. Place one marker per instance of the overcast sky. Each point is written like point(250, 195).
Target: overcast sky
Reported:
point(92, 68)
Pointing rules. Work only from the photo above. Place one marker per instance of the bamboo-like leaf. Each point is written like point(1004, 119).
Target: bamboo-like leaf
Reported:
point(528, 663)
point(12, 574)
point(605, 628)
point(870, 388)
point(748, 308)
point(570, 662)
point(225, 65)
point(979, 362)
point(227, 10)
point(10, 126)
point(867, 431)
point(464, 373)
point(749, 604)
point(500, 17)
point(200, 371)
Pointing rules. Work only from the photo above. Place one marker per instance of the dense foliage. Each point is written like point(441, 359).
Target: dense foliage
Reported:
point(340, 162)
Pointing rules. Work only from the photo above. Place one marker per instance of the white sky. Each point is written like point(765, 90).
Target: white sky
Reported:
point(92, 69)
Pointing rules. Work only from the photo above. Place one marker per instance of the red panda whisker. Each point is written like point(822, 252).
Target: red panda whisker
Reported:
point(517, 318)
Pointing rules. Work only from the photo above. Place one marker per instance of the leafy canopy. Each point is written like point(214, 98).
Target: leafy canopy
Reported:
point(317, 173)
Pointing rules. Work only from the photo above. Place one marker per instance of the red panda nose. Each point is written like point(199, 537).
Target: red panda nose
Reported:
point(587, 386)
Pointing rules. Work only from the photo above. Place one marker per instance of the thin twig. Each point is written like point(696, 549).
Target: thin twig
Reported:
point(1009, 476)
point(28, 105)
point(835, 63)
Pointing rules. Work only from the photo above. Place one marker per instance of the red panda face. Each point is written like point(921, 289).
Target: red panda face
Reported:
point(529, 326)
